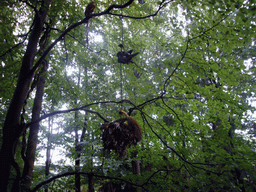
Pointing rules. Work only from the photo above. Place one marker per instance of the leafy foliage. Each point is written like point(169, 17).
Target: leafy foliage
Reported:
point(189, 89)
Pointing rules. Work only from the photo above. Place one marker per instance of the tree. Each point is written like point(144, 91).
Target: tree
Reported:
point(185, 88)
point(12, 128)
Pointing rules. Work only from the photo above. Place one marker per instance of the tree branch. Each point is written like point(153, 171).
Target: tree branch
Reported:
point(178, 64)
point(84, 108)
point(80, 173)
point(174, 151)
point(107, 11)
point(74, 26)
point(162, 4)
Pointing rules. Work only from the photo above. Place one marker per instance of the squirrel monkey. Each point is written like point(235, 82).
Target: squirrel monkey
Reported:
point(89, 10)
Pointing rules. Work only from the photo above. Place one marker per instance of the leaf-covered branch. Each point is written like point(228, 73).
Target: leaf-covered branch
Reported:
point(174, 151)
point(107, 11)
point(83, 108)
point(161, 6)
point(73, 27)
point(81, 173)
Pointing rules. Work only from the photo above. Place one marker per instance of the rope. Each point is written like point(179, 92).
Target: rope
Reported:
point(121, 74)
point(121, 84)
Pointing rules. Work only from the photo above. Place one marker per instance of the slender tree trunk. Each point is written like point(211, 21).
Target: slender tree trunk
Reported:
point(48, 150)
point(237, 172)
point(90, 183)
point(77, 145)
point(136, 167)
point(135, 164)
point(12, 128)
point(77, 176)
point(33, 135)
point(78, 154)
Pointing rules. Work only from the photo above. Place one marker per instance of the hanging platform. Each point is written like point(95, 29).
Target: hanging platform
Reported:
point(126, 57)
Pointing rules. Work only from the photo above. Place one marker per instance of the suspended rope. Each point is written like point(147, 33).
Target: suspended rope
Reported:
point(121, 46)
point(122, 30)
point(124, 57)
point(121, 18)
point(121, 83)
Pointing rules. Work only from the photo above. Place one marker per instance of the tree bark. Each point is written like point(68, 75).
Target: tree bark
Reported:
point(48, 150)
point(77, 146)
point(78, 155)
point(90, 183)
point(136, 167)
point(12, 129)
point(33, 135)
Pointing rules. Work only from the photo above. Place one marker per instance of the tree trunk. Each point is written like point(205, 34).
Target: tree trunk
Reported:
point(77, 176)
point(77, 146)
point(78, 154)
point(136, 167)
point(12, 129)
point(90, 183)
point(48, 150)
point(135, 164)
point(33, 135)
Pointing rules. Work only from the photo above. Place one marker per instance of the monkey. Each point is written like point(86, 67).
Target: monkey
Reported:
point(132, 126)
point(89, 10)
point(118, 135)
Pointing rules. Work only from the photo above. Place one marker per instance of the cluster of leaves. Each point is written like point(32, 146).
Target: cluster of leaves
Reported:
point(191, 98)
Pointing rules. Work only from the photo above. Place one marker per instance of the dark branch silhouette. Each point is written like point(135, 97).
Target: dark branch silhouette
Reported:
point(84, 108)
point(84, 21)
point(81, 173)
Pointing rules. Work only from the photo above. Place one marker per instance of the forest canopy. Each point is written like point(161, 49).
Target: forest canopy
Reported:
point(128, 95)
